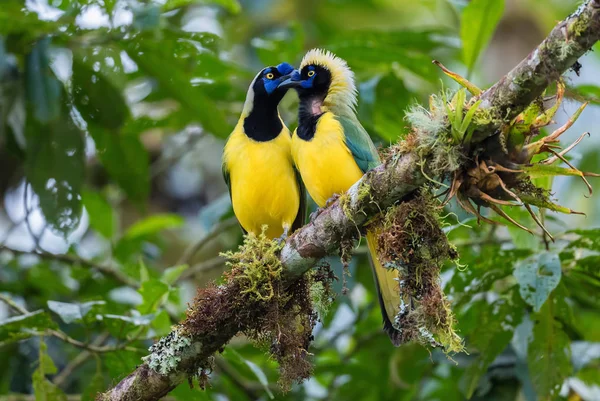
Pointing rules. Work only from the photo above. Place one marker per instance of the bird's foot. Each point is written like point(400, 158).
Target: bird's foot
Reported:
point(283, 237)
point(314, 215)
point(317, 212)
point(331, 200)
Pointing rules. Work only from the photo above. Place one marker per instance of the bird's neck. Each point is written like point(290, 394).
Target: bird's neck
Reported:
point(263, 122)
point(309, 112)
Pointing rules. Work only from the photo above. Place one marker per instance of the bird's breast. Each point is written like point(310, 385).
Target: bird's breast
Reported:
point(264, 189)
point(325, 163)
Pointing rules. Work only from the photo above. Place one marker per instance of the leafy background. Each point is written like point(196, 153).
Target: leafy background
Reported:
point(113, 115)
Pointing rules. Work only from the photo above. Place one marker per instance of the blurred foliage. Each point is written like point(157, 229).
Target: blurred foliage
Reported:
point(109, 109)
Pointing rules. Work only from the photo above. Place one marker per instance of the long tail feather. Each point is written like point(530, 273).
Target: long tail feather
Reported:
point(388, 291)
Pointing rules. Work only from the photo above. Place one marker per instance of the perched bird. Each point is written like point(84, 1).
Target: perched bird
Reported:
point(264, 186)
point(332, 151)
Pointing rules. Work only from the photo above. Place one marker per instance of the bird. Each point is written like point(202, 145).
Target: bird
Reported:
point(332, 151)
point(264, 186)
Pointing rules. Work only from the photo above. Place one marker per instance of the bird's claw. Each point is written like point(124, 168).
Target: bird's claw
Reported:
point(312, 217)
point(283, 237)
point(328, 202)
point(331, 200)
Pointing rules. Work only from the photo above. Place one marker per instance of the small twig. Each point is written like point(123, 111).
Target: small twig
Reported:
point(79, 360)
point(74, 260)
point(18, 308)
point(189, 253)
point(209, 264)
point(90, 347)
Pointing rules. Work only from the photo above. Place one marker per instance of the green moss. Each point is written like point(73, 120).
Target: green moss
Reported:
point(258, 265)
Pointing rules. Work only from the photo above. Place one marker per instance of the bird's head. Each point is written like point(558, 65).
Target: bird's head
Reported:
point(324, 81)
point(265, 87)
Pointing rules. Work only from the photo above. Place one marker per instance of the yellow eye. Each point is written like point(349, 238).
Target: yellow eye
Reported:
point(270, 75)
point(311, 73)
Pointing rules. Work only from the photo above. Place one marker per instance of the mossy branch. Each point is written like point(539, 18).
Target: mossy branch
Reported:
point(402, 173)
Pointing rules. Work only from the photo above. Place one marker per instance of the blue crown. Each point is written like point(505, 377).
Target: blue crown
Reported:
point(285, 68)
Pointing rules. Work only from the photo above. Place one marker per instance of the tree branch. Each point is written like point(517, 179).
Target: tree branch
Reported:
point(387, 184)
point(74, 260)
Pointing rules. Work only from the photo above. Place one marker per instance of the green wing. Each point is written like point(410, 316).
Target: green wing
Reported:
point(301, 216)
point(360, 144)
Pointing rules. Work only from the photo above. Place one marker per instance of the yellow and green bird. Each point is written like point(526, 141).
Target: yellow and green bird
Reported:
point(264, 186)
point(332, 151)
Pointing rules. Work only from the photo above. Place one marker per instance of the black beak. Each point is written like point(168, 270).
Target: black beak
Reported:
point(289, 82)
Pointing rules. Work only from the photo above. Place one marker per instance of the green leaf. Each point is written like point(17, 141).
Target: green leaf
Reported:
point(22, 326)
point(588, 239)
point(161, 323)
point(545, 170)
point(44, 91)
point(521, 239)
point(591, 93)
point(183, 58)
point(235, 357)
point(55, 168)
point(71, 312)
point(121, 326)
point(478, 23)
point(120, 364)
point(389, 100)
point(171, 274)
point(280, 46)
point(537, 277)
point(96, 98)
point(260, 375)
point(380, 51)
point(147, 17)
point(153, 224)
point(100, 212)
point(183, 392)
point(126, 161)
point(495, 329)
point(479, 276)
point(152, 292)
point(233, 6)
point(96, 384)
point(549, 354)
point(55, 161)
point(24, 24)
point(43, 388)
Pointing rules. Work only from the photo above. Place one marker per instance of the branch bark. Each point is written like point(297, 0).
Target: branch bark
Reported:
point(387, 184)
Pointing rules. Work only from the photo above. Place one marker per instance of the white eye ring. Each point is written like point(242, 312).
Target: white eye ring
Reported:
point(311, 73)
point(270, 75)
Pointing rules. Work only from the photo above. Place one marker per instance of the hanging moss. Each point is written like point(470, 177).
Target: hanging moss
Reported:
point(410, 240)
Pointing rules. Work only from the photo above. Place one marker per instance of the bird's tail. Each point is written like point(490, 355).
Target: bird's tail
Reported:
point(388, 291)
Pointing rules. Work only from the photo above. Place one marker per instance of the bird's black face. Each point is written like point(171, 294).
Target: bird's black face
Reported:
point(311, 81)
point(266, 86)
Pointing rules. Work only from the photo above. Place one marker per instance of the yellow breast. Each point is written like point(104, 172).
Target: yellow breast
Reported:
point(325, 162)
point(264, 190)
